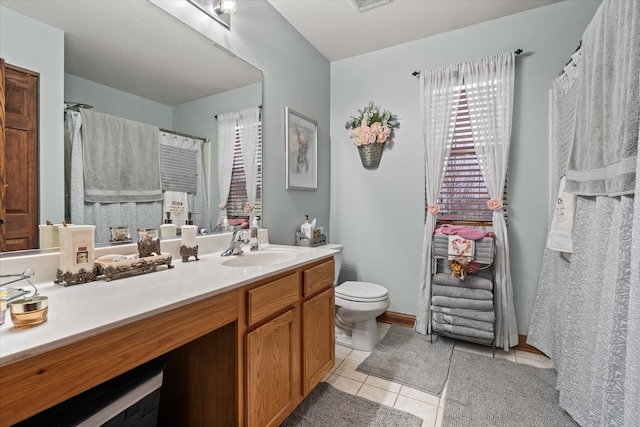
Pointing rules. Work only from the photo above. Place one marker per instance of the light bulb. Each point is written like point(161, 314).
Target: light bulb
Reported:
point(228, 6)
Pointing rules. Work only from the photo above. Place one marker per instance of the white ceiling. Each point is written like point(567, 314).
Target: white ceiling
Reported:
point(339, 31)
point(137, 47)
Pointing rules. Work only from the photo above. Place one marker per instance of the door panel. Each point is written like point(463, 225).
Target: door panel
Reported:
point(19, 149)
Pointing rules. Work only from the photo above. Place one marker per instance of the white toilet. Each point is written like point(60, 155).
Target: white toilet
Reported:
point(357, 306)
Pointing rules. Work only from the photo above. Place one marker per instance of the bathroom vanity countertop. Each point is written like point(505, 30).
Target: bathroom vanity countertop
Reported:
point(81, 311)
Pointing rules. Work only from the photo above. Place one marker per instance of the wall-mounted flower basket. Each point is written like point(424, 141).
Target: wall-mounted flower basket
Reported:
point(370, 154)
point(369, 130)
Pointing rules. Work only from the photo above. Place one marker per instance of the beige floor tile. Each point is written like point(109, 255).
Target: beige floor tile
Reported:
point(529, 355)
point(419, 395)
point(358, 355)
point(377, 395)
point(427, 412)
point(348, 369)
point(546, 364)
point(383, 384)
point(335, 365)
point(439, 417)
point(345, 384)
point(342, 351)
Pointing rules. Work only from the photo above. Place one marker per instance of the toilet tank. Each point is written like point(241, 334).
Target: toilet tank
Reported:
point(337, 257)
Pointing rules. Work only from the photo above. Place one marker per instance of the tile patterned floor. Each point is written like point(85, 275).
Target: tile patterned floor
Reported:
point(344, 377)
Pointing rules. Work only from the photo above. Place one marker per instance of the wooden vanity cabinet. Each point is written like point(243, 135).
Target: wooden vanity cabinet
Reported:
point(318, 324)
point(289, 342)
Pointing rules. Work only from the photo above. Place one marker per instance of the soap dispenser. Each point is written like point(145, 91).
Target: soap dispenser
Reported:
point(306, 229)
point(168, 230)
point(254, 235)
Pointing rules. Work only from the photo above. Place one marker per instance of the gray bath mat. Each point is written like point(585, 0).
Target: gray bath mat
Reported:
point(485, 391)
point(326, 406)
point(409, 358)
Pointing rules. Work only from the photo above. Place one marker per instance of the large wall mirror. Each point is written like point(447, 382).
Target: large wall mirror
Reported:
point(133, 60)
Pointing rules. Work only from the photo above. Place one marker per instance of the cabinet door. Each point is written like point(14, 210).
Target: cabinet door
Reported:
point(318, 338)
point(273, 370)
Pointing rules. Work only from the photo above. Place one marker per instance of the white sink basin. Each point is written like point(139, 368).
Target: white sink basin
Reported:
point(259, 258)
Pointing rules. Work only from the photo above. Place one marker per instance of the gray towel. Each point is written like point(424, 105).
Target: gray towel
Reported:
point(462, 331)
point(483, 341)
point(462, 321)
point(459, 292)
point(474, 282)
point(121, 159)
point(605, 145)
point(484, 316)
point(471, 304)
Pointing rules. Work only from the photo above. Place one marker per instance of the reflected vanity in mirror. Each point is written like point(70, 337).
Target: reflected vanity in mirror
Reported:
point(134, 61)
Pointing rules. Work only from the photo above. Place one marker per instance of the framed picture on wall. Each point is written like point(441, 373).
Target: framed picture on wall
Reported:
point(301, 151)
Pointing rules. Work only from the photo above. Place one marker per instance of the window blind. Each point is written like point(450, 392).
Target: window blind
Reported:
point(464, 194)
point(238, 191)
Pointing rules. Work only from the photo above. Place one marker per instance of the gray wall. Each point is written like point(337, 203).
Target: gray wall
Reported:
point(30, 44)
point(295, 75)
point(378, 214)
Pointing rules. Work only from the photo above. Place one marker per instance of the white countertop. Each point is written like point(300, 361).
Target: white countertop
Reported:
point(80, 311)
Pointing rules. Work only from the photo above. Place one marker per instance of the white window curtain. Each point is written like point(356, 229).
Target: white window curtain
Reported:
point(489, 84)
point(227, 124)
point(248, 125)
point(488, 81)
point(439, 101)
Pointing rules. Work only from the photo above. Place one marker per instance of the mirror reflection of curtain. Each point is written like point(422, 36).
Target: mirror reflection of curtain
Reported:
point(135, 215)
point(227, 124)
point(248, 126)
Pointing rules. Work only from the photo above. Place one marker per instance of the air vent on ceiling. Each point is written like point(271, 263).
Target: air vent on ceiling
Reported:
point(362, 5)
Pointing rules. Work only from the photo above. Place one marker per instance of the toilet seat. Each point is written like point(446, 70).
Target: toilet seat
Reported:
point(361, 292)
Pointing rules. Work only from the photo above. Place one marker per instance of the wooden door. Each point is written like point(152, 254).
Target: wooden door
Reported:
point(18, 159)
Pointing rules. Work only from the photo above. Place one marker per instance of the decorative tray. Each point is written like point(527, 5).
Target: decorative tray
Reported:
point(119, 266)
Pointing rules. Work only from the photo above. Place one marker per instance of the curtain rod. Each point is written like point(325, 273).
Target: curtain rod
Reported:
point(259, 106)
point(517, 52)
point(186, 135)
point(76, 107)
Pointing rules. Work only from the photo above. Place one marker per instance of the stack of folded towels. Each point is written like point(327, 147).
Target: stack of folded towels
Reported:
point(463, 309)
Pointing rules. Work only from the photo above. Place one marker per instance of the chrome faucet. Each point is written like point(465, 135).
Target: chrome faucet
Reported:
point(237, 242)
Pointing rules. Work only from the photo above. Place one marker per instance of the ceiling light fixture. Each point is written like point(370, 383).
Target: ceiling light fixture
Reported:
point(227, 6)
point(220, 11)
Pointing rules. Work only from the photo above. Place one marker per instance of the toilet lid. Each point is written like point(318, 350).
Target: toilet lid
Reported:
point(362, 291)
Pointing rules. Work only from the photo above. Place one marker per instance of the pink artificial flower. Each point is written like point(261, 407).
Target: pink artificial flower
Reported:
point(248, 207)
point(222, 205)
point(433, 208)
point(494, 204)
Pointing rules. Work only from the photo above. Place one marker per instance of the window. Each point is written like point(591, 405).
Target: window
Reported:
point(238, 192)
point(464, 194)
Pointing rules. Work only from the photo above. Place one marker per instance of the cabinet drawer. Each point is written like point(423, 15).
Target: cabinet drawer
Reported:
point(319, 277)
point(268, 299)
